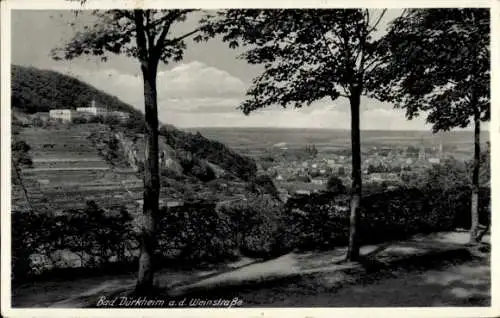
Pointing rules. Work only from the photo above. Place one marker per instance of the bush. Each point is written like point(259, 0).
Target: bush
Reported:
point(99, 119)
point(321, 221)
point(134, 124)
point(20, 153)
point(258, 227)
point(112, 121)
point(202, 232)
point(79, 120)
point(29, 237)
point(316, 221)
point(403, 212)
point(95, 236)
point(198, 231)
point(335, 185)
point(256, 224)
point(195, 167)
point(202, 170)
point(37, 122)
point(263, 184)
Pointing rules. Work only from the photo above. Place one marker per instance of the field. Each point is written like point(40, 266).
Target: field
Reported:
point(253, 141)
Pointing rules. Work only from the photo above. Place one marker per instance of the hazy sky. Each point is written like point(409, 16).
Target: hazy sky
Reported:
point(202, 90)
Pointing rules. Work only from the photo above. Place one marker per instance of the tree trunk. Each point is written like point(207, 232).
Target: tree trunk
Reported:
point(474, 206)
point(151, 181)
point(353, 248)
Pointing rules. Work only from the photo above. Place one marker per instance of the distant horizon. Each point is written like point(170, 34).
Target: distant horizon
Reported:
point(326, 128)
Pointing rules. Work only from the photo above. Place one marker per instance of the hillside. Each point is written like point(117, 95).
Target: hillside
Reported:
point(73, 163)
point(35, 90)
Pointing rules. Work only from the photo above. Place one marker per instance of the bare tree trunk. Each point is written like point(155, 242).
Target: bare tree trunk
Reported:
point(474, 206)
point(353, 248)
point(151, 181)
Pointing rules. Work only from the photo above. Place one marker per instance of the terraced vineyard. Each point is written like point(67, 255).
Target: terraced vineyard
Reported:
point(67, 171)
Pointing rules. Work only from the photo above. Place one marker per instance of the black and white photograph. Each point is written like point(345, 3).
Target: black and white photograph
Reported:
point(247, 157)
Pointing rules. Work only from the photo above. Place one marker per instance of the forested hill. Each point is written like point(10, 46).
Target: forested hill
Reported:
point(35, 90)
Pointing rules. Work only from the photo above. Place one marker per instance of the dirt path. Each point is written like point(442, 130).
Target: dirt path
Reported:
point(466, 284)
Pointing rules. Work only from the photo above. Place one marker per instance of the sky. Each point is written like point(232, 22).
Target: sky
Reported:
point(201, 91)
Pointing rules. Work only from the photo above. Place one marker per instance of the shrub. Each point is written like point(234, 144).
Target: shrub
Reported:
point(79, 120)
point(256, 224)
point(198, 231)
point(112, 121)
point(335, 185)
point(37, 122)
point(20, 153)
point(321, 221)
point(96, 236)
point(316, 221)
point(262, 184)
point(202, 170)
point(99, 119)
point(134, 124)
point(29, 237)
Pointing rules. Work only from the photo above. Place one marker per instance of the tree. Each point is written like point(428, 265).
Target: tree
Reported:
point(440, 64)
point(311, 151)
point(335, 185)
point(446, 175)
point(113, 33)
point(308, 55)
point(341, 171)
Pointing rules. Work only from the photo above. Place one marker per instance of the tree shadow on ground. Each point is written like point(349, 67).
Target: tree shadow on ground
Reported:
point(457, 278)
point(451, 278)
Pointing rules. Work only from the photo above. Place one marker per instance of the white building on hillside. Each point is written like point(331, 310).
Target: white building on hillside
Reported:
point(63, 114)
point(93, 109)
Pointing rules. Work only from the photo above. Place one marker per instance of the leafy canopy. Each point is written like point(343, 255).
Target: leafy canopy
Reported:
point(143, 34)
point(307, 54)
point(438, 62)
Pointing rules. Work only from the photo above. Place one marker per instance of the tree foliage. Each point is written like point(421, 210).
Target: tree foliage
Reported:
point(438, 62)
point(115, 32)
point(335, 185)
point(307, 54)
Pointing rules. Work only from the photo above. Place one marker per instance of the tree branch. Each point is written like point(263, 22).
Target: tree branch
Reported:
point(182, 37)
point(378, 21)
point(171, 17)
point(376, 63)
